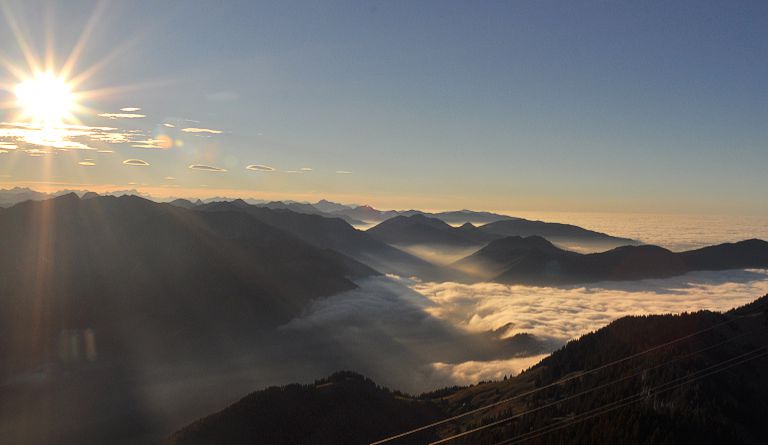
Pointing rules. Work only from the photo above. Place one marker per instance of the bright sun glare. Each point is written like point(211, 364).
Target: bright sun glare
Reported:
point(45, 99)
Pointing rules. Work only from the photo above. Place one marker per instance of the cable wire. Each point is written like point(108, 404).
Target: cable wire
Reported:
point(559, 382)
point(587, 391)
point(664, 387)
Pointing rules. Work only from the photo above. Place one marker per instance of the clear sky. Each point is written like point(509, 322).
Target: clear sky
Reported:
point(501, 105)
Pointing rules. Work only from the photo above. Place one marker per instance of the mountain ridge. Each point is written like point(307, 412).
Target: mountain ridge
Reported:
point(534, 260)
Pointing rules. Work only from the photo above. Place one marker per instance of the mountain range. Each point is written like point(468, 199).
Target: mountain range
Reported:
point(110, 262)
point(106, 299)
point(338, 235)
point(420, 229)
point(535, 260)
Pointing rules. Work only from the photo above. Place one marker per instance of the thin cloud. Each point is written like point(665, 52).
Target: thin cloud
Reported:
point(260, 168)
point(130, 109)
point(26, 136)
point(87, 163)
point(343, 172)
point(306, 169)
point(162, 142)
point(196, 130)
point(169, 125)
point(170, 178)
point(136, 162)
point(115, 116)
point(470, 372)
point(207, 168)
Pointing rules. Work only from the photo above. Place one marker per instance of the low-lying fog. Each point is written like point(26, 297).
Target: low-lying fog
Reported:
point(417, 336)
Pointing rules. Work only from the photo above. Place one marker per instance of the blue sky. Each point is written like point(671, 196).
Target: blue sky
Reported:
point(584, 106)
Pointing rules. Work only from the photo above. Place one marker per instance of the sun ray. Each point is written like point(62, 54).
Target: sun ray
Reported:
point(29, 54)
point(50, 57)
point(89, 72)
point(74, 55)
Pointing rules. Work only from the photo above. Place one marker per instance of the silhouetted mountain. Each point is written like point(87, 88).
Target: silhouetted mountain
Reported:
point(329, 207)
point(336, 234)
point(183, 203)
point(92, 290)
point(420, 229)
point(414, 227)
point(127, 263)
point(534, 260)
point(367, 213)
point(470, 216)
point(370, 214)
point(691, 378)
point(9, 197)
point(90, 195)
point(312, 414)
point(741, 255)
point(555, 232)
point(308, 209)
point(293, 206)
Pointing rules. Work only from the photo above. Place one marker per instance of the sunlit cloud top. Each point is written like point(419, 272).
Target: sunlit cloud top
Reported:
point(208, 168)
point(122, 115)
point(260, 168)
point(201, 130)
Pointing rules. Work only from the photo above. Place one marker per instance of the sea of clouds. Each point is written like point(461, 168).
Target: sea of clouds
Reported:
point(417, 336)
point(451, 333)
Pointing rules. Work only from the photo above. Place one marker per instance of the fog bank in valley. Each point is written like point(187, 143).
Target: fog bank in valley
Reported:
point(418, 336)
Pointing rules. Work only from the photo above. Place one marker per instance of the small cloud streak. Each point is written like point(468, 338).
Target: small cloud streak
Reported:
point(207, 168)
point(169, 125)
point(260, 168)
point(306, 169)
point(87, 163)
point(114, 116)
point(195, 130)
point(130, 109)
point(343, 172)
point(162, 142)
point(136, 162)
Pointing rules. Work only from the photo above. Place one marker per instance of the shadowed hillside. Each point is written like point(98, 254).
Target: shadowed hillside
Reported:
point(345, 408)
point(557, 233)
point(91, 289)
point(336, 234)
point(709, 366)
point(420, 229)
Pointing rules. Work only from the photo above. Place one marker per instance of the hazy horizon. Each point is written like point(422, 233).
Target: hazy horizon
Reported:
point(596, 108)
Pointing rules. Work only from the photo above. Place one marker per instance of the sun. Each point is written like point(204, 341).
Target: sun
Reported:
point(45, 99)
